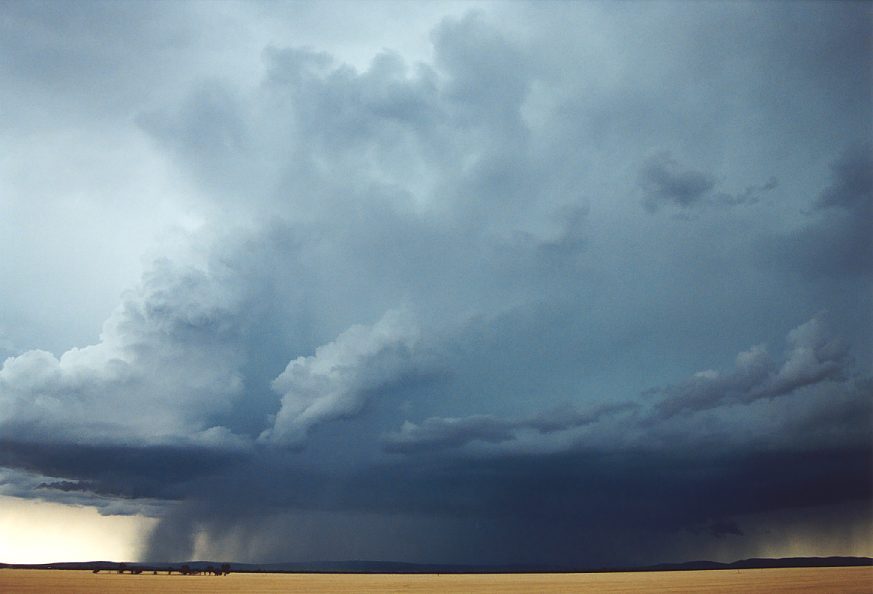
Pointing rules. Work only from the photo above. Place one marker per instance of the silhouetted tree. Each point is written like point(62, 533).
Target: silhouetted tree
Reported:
point(225, 568)
point(186, 570)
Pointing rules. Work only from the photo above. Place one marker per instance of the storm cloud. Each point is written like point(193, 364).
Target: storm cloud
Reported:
point(335, 382)
point(812, 357)
point(165, 364)
point(437, 433)
point(497, 283)
point(663, 180)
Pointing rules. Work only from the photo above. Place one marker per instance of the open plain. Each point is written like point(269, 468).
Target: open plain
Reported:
point(831, 580)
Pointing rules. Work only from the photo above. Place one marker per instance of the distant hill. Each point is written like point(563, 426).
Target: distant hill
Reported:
point(396, 567)
point(765, 563)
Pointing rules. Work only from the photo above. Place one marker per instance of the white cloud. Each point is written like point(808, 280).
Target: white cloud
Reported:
point(167, 361)
point(814, 355)
point(337, 381)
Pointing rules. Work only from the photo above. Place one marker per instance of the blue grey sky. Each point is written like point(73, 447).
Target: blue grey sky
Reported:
point(580, 283)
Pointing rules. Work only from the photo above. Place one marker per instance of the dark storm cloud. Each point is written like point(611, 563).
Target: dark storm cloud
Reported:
point(571, 506)
point(838, 242)
point(460, 243)
point(750, 195)
point(841, 415)
point(124, 471)
point(437, 433)
point(114, 479)
point(664, 181)
point(851, 187)
point(67, 486)
point(722, 528)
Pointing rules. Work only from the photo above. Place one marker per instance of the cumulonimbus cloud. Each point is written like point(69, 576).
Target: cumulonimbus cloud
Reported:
point(495, 189)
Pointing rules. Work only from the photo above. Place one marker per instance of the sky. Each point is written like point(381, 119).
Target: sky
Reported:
point(575, 283)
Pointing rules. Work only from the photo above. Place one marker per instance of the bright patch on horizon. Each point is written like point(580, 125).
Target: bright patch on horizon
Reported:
point(40, 532)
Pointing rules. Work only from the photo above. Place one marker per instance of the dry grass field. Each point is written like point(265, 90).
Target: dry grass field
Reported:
point(831, 580)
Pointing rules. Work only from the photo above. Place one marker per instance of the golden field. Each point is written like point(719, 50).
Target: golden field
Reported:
point(831, 580)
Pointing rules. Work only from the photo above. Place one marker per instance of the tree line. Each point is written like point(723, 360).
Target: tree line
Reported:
point(223, 569)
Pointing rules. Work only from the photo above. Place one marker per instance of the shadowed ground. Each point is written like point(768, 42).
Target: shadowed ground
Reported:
point(850, 579)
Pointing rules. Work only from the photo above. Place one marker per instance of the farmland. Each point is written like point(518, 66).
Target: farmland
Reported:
point(843, 579)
